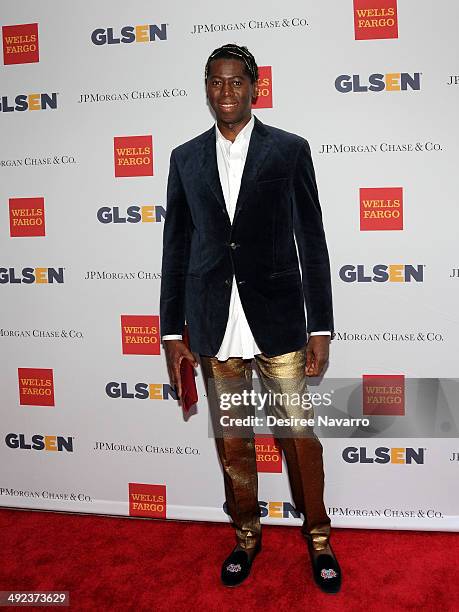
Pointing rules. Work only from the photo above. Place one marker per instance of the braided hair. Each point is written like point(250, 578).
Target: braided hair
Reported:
point(232, 51)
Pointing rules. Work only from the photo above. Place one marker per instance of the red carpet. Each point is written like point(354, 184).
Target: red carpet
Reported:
point(122, 564)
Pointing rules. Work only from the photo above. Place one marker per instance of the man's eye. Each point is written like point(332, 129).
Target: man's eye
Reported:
point(237, 83)
point(216, 82)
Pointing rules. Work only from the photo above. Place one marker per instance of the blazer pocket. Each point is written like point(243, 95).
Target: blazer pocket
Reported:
point(288, 272)
point(279, 180)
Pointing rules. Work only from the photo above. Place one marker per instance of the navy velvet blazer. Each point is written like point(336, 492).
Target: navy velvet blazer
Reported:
point(203, 251)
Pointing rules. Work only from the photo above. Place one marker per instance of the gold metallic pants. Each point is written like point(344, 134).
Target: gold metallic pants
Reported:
point(284, 374)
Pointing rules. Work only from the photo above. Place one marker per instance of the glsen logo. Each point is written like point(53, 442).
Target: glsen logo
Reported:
point(375, 19)
point(268, 453)
point(36, 387)
point(382, 273)
point(130, 34)
point(133, 155)
point(27, 217)
point(147, 500)
point(134, 214)
point(28, 276)
point(31, 102)
point(381, 208)
point(274, 509)
point(140, 334)
point(142, 391)
point(383, 454)
point(39, 442)
point(265, 88)
point(20, 44)
point(383, 394)
point(392, 81)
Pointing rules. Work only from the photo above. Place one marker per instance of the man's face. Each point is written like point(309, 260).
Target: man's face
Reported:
point(230, 91)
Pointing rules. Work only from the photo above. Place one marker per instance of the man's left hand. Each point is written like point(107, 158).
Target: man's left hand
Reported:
point(317, 351)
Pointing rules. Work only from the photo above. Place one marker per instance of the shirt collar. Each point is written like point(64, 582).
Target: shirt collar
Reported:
point(244, 134)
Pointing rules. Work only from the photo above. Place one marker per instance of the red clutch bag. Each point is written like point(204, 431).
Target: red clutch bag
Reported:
point(187, 378)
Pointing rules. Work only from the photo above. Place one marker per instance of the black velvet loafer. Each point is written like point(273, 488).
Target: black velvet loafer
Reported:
point(236, 568)
point(326, 571)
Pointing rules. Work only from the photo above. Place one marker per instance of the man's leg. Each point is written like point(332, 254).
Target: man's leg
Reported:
point(285, 375)
point(235, 446)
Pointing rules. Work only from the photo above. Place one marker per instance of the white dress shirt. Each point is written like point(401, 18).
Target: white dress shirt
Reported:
point(238, 340)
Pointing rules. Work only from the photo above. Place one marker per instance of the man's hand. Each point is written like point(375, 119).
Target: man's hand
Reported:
point(176, 350)
point(317, 351)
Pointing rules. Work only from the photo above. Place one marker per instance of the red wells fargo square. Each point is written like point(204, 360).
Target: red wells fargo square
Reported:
point(20, 44)
point(36, 387)
point(147, 500)
point(27, 217)
point(133, 155)
point(140, 334)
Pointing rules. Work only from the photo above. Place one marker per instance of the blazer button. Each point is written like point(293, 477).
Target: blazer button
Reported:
point(241, 283)
point(228, 282)
point(234, 245)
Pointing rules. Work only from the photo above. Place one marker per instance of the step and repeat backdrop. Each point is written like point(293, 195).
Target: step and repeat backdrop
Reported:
point(91, 104)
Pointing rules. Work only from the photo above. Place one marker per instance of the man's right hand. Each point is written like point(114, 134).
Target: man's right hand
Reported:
point(176, 350)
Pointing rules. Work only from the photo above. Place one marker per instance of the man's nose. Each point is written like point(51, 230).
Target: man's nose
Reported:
point(226, 89)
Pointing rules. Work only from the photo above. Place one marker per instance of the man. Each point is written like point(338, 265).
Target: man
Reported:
point(238, 196)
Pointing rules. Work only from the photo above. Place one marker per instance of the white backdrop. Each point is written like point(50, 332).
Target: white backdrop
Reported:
point(61, 342)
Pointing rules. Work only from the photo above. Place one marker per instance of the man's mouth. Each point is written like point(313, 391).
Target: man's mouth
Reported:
point(227, 106)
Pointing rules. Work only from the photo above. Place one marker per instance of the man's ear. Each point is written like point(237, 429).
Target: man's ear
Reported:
point(255, 92)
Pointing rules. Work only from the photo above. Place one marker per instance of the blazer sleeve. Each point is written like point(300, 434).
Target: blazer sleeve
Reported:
point(312, 246)
point(176, 250)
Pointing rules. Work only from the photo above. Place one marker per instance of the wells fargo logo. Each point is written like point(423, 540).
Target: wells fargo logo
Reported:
point(383, 454)
point(268, 453)
point(382, 273)
point(133, 155)
point(147, 500)
point(141, 391)
point(133, 214)
point(265, 88)
point(140, 334)
point(39, 442)
point(36, 387)
point(28, 102)
point(129, 34)
point(383, 394)
point(20, 44)
point(391, 81)
point(29, 276)
point(375, 19)
point(381, 208)
point(27, 217)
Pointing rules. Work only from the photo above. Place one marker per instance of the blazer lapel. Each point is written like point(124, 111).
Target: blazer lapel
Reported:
point(209, 166)
point(260, 143)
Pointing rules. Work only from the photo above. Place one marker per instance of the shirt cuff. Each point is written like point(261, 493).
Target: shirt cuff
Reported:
point(172, 337)
point(320, 333)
